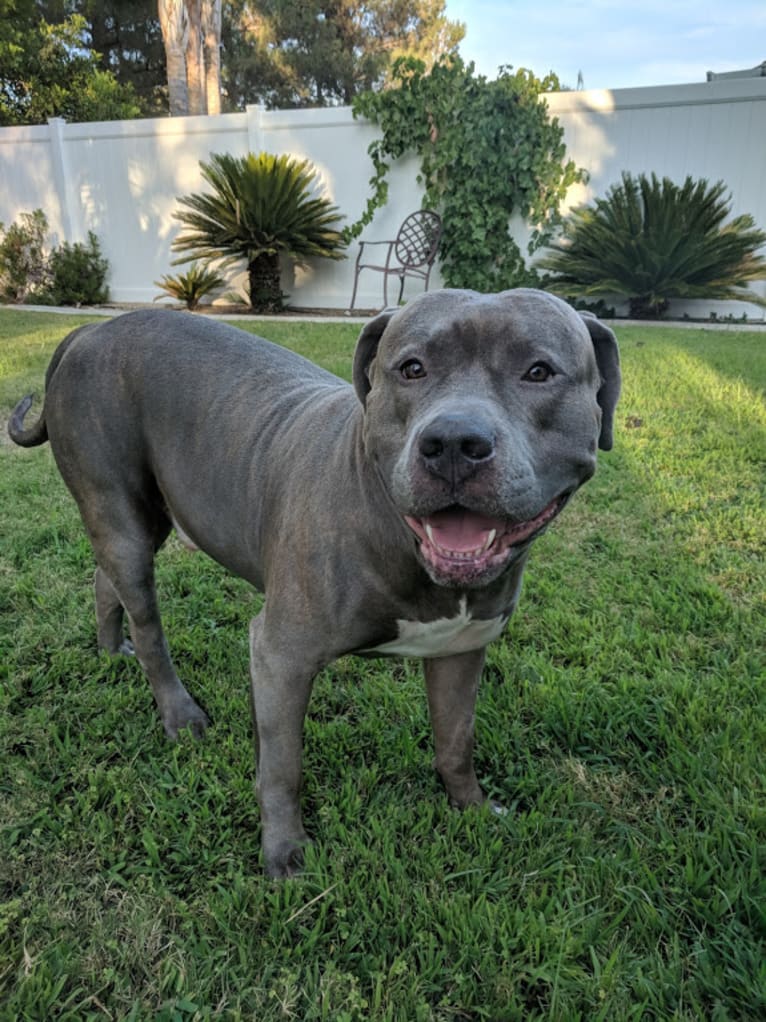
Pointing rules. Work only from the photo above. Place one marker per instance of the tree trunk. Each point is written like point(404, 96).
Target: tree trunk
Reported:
point(195, 68)
point(211, 34)
point(648, 307)
point(264, 280)
point(173, 23)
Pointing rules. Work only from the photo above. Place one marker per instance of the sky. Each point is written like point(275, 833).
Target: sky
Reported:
point(614, 44)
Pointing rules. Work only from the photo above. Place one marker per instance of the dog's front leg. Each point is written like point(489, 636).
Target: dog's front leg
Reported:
point(281, 681)
point(452, 683)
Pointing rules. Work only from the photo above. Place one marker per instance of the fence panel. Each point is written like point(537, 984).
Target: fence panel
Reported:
point(122, 179)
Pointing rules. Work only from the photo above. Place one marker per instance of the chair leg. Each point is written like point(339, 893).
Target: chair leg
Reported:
point(353, 293)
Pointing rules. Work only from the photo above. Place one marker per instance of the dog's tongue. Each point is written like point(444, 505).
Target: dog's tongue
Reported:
point(459, 529)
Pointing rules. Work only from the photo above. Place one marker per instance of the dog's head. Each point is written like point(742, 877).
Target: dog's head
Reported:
point(482, 415)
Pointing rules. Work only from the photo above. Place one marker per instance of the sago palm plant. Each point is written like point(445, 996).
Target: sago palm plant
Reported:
point(260, 207)
point(191, 287)
point(649, 240)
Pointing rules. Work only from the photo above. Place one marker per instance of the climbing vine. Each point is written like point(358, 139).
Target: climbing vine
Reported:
point(488, 151)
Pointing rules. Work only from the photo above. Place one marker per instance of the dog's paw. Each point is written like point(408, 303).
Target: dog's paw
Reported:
point(188, 716)
point(284, 861)
point(116, 647)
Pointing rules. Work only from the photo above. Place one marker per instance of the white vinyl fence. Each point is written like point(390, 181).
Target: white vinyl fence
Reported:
point(121, 179)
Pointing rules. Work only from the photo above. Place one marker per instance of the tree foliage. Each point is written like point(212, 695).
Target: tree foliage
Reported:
point(260, 207)
point(282, 53)
point(324, 52)
point(46, 70)
point(488, 151)
point(650, 240)
point(127, 37)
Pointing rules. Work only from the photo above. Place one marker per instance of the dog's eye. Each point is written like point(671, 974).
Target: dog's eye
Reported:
point(412, 369)
point(538, 373)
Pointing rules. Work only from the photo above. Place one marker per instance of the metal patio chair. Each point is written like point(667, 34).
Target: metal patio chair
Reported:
point(411, 253)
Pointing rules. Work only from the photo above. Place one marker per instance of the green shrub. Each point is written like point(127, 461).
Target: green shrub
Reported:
point(190, 287)
point(77, 274)
point(23, 267)
point(650, 240)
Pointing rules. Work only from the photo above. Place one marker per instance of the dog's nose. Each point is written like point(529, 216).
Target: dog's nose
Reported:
point(453, 446)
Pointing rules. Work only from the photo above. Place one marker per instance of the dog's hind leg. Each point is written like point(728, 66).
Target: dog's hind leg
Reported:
point(109, 617)
point(124, 541)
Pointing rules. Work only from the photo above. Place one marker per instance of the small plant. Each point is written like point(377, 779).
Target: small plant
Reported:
point(190, 287)
point(77, 274)
point(260, 208)
point(650, 240)
point(23, 267)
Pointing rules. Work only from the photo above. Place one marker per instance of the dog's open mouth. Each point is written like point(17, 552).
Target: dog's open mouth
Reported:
point(463, 547)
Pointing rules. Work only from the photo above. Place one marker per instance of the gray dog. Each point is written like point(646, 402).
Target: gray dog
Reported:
point(394, 517)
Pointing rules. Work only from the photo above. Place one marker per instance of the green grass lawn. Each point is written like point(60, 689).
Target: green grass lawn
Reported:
point(622, 720)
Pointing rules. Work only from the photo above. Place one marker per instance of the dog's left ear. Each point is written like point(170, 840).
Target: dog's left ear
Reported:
point(608, 361)
point(366, 349)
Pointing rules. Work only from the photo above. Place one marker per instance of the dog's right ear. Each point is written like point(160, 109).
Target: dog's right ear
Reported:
point(608, 361)
point(366, 349)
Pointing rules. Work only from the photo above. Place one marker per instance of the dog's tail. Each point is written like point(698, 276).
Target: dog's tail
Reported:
point(32, 436)
point(37, 434)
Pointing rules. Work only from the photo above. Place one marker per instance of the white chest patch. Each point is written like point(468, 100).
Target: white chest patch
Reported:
point(444, 636)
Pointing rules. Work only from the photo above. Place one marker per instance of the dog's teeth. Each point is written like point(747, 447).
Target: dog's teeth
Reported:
point(459, 555)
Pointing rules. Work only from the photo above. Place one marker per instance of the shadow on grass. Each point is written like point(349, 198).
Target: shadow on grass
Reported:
point(735, 354)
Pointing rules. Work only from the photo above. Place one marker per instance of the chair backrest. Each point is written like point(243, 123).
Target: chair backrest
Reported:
point(418, 238)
